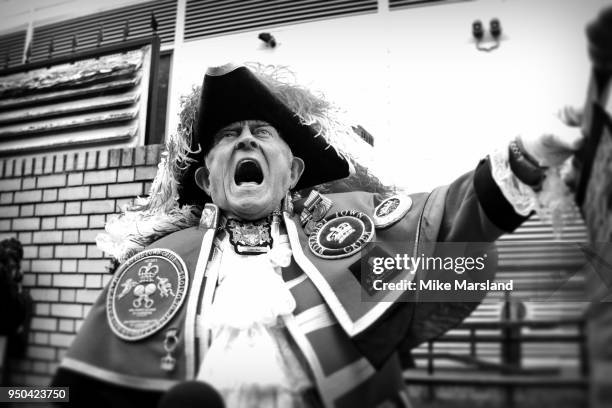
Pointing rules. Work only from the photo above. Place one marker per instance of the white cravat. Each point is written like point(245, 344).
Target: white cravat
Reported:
point(250, 361)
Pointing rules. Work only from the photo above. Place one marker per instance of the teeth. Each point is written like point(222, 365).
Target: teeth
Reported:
point(248, 171)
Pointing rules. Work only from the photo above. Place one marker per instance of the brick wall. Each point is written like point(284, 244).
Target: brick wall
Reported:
point(56, 205)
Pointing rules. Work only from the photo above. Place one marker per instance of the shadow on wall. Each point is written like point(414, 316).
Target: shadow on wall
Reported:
point(15, 305)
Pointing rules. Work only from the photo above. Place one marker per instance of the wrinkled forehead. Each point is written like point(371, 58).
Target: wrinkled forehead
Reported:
point(254, 126)
point(239, 125)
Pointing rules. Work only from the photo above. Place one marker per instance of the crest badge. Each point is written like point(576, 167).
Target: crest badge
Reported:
point(341, 234)
point(250, 237)
point(210, 216)
point(145, 293)
point(391, 210)
point(315, 208)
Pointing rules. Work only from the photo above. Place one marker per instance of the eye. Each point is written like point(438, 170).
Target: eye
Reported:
point(262, 131)
point(229, 133)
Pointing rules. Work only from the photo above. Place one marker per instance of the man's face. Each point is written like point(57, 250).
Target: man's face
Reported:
point(249, 169)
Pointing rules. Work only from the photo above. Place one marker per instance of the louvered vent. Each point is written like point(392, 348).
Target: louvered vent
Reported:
point(396, 4)
point(100, 99)
point(11, 49)
point(58, 39)
point(211, 18)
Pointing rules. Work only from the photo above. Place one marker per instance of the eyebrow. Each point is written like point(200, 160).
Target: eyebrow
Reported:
point(259, 123)
point(237, 126)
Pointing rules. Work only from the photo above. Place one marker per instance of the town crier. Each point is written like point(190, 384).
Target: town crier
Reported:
point(246, 266)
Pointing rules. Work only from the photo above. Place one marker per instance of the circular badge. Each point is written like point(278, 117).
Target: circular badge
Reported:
point(145, 293)
point(391, 210)
point(341, 234)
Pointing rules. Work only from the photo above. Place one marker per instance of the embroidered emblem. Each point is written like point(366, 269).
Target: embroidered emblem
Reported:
point(315, 208)
point(341, 234)
point(288, 203)
point(210, 216)
point(391, 210)
point(145, 293)
point(250, 237)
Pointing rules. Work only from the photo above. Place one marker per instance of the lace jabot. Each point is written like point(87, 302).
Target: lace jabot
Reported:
point(252, 360)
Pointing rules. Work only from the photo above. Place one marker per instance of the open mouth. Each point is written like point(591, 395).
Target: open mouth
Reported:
point(248, 171)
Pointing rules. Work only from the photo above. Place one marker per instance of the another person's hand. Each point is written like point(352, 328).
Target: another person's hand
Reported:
point(557, 140)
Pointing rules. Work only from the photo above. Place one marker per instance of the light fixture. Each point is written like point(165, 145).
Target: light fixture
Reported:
point(268, 39)
point(479, 34)
point(495, 28)
point(477, 30)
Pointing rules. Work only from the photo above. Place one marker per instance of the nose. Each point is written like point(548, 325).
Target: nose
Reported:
point(246, 141)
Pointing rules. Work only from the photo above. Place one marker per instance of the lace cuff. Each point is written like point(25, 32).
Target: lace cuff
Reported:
point(519, 195)
point(550, 203)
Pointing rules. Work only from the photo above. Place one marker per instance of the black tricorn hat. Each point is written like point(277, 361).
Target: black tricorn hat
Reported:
point(232, 93)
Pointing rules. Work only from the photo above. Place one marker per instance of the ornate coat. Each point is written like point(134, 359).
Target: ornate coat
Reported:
point(353, 345)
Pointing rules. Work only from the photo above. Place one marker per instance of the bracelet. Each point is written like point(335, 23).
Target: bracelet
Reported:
point(518, 144)
point(525, 167)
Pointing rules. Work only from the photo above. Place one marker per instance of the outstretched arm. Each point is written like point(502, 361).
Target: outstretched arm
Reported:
point(512, 183)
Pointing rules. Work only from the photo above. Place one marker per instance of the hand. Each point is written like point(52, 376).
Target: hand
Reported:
point(558, 140)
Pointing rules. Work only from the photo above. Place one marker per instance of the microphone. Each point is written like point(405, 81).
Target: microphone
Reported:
point(191, 394)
